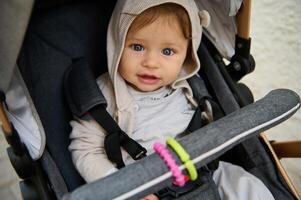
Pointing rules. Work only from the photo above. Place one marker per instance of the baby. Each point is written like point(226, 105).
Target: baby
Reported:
point(152, 51)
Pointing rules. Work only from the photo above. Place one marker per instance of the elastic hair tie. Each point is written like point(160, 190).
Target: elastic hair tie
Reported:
point(179, 178)
point(184, 157)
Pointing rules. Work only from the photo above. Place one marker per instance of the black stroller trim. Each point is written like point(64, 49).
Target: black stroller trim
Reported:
point(149, 175)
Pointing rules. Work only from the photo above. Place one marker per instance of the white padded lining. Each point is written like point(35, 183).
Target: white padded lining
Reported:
point(24, 117)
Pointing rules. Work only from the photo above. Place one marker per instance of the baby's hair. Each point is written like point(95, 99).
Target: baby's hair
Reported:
point(171, 11)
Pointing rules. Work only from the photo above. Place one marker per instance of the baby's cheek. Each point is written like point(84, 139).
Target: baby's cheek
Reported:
point(174, 77)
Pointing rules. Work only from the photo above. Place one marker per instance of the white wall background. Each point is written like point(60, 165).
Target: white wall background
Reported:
point(276, 46)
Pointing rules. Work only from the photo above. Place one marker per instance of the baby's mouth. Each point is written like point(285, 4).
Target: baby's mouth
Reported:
point(148, 79)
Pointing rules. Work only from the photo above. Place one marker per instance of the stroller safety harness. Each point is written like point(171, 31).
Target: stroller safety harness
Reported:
point(84, 97)
point(81, 80)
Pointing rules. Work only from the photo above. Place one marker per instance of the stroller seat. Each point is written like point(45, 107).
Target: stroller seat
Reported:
point(54, 38)
point(61, 34)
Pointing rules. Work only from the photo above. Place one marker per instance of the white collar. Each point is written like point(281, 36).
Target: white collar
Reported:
point(156, 95)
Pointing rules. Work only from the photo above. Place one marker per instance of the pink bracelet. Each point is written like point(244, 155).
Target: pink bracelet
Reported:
point(179, 178)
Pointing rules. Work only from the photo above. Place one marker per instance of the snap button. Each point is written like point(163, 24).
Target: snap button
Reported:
point(136, 107)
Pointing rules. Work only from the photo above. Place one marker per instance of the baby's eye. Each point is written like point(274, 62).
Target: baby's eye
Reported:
point(167, 52)
point(137, 47)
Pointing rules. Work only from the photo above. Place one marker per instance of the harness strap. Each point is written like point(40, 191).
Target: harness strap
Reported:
point(208, 110)
point(83, 95)
point(116, 138)
point(217, 112)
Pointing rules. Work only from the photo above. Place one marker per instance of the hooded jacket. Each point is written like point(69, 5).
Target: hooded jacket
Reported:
point(87, 137)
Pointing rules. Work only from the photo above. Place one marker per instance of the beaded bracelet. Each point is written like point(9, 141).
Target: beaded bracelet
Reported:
point(179, 178)
point(184, 157)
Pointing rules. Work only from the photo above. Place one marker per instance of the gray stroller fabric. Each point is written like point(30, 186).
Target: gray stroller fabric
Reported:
point(54, 38)
point(250, 154)
point(14, 17)
point(204, 145)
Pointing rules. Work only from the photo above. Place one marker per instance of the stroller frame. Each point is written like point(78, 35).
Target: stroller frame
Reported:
point(17, 151)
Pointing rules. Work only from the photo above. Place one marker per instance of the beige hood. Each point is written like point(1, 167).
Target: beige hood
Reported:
point(123, 15)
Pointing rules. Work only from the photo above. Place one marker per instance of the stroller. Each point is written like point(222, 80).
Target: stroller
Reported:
point(34, 111)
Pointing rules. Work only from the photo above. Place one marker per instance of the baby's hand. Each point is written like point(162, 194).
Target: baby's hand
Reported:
point(150, 197)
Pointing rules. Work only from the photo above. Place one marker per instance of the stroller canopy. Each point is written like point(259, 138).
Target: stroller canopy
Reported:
point(15, 16)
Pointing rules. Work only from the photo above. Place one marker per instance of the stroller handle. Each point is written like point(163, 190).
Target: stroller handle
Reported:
point(244, 20)
point(6, 126)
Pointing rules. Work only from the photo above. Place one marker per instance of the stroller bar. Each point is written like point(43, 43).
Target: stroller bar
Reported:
point(6, 126)
point(244, 20)
point(204, 145)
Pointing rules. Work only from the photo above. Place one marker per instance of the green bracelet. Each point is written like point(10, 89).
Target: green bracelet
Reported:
point(193, 174)
point(184, 157)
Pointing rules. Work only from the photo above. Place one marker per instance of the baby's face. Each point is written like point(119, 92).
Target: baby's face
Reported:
point(153, 55)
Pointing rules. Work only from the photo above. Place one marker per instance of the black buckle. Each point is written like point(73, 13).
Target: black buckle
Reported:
point(174, 192)
point(134, 149)
point(141, 154)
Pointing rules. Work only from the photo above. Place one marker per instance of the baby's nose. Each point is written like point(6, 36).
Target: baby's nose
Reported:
point(151, 60)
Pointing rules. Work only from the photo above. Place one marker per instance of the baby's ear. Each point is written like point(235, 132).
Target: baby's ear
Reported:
point(204, 18)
